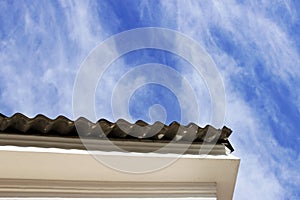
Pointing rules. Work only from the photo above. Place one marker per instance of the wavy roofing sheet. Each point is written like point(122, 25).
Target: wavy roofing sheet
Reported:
point(120, 130)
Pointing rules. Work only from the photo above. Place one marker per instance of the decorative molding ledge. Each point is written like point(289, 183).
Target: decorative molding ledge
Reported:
point(75, 189)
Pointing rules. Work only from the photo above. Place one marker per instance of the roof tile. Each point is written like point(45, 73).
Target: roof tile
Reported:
point(121, 129)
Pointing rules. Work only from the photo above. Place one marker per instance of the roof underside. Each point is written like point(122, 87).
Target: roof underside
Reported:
point(119, 130)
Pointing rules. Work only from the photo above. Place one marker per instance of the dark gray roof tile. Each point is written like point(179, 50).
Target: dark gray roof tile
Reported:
point(121, 129)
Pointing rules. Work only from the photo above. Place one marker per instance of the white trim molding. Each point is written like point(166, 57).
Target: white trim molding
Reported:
point(92, 189)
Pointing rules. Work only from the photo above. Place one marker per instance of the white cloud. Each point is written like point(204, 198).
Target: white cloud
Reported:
point(40, 60)
point(265, 164)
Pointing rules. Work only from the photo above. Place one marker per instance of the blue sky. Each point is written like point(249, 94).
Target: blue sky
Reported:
point(254, 44)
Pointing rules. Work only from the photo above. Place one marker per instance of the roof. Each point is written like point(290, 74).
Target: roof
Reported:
point(120, 130)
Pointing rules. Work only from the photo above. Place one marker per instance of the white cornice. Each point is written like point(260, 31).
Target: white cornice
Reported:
point(186, 175)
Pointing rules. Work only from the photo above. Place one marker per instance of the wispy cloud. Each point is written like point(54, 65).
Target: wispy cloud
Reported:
point(40, 58)
point(253, 44)
point(252, 51)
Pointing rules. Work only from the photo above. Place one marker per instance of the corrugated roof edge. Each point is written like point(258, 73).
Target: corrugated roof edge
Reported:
point(119, 130)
